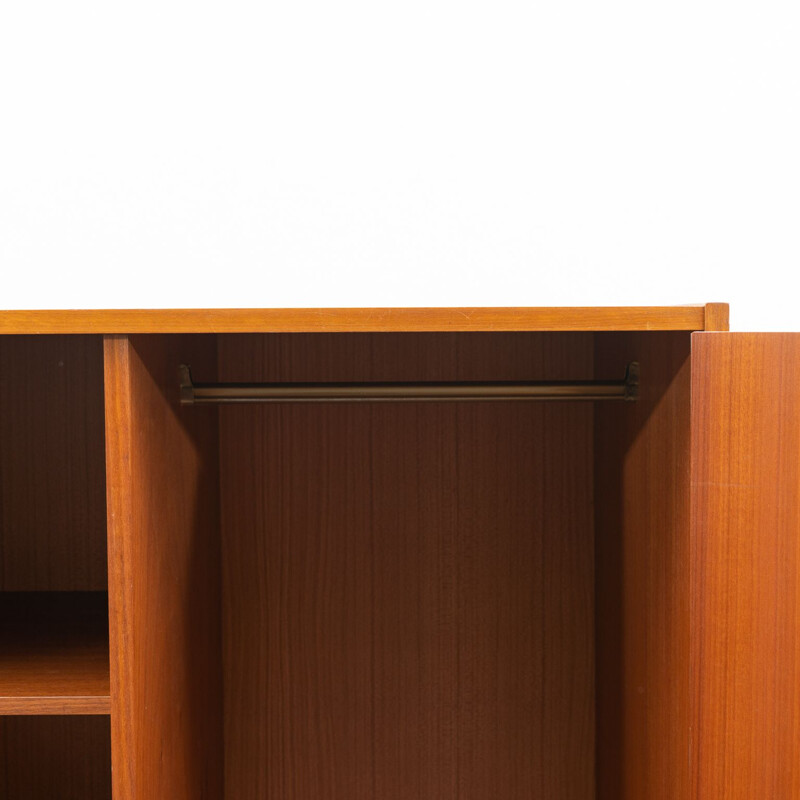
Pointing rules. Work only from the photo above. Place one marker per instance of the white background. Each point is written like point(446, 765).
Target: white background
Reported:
point(348, 153)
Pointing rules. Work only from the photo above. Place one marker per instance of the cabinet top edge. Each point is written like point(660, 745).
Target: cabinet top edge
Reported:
point(711, 316)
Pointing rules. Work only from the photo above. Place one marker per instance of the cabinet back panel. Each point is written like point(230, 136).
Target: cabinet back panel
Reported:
point(52, 468)
point(408, 596)
point(55, 758)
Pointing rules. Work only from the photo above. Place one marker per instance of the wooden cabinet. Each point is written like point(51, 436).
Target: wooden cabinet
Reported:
point(441, 598)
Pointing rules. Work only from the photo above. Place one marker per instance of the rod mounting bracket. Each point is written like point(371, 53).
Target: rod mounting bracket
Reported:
point(186, 384)
point(632, 381)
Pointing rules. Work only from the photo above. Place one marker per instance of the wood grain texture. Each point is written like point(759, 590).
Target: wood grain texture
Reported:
point(55, 758)
point(643, 561)
point(52, 474)
point(717, 317)
point(312, 320)
point(746, 550)
point(54, 653)
point(408, 589)
point(164, 579)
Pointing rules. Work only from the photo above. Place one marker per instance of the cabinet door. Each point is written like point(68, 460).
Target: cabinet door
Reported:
point(745, 584)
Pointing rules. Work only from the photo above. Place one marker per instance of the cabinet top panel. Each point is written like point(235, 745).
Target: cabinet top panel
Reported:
point(712, 316)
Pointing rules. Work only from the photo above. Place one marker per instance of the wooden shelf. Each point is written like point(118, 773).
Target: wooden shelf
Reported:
point(54, 653)
point(712, 316)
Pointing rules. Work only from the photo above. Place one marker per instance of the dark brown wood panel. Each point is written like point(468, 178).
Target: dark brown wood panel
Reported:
point(55, 758)
point(52, 473)
point(745, 653)
point(54, 653)
point(408, 589)
point(164, 574)
point(642, 572)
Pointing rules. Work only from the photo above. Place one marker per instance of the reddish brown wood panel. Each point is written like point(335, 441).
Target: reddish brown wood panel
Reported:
point(163, 574)
point(746, 554)
point(408, 589)
point(54, 653)
point(52, 473)
point(316, 320)
point(55, 758)
point(642, 572)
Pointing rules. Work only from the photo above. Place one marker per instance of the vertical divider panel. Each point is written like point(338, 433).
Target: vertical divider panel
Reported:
point(164, 575)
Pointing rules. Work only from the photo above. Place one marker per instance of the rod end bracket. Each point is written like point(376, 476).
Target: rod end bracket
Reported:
point(632, 381)
point(186, 384)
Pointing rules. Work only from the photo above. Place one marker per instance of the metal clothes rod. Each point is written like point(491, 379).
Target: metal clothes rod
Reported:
point(200, 393)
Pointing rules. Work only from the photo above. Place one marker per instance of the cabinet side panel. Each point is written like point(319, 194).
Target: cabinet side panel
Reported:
point(163, 527)
point(52, 476)
point(745, 583)
point(408, 588)
point(642, 571)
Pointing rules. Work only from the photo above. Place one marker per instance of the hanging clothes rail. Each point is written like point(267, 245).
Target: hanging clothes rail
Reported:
point(200, 393)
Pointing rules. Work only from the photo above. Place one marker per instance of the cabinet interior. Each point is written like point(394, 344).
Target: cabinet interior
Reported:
point(344, 600)
point(54, 671)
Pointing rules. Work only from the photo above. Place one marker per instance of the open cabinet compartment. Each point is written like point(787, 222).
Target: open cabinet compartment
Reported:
point(378, 601)
point(54, 663)
point(373, 601)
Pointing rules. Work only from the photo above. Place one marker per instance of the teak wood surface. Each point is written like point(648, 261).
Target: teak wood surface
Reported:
point(642, 566)
point(408, 588)
point(55, 758)
point(369, 320)
point(52, 464)
point(745, 607)
point(164, 574)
